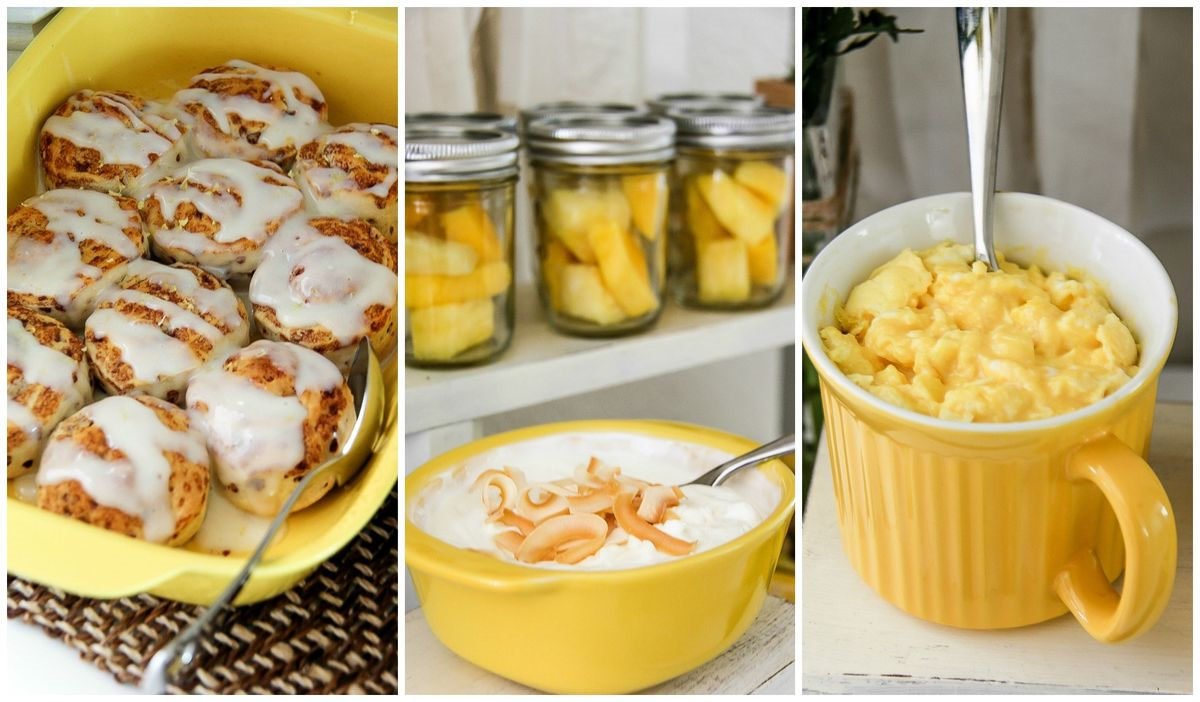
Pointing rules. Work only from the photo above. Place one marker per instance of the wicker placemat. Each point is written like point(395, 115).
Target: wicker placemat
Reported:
point(334, 632)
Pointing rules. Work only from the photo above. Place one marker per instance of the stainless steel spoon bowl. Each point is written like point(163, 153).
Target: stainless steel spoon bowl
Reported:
point(366, 385)
point(981, 54)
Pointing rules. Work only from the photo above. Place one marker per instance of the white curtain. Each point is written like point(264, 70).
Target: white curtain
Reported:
point(1097, 113)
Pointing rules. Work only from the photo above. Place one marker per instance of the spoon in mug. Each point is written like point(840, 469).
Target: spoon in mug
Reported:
point(366, 386)
point(981, 53)
point(779, 447)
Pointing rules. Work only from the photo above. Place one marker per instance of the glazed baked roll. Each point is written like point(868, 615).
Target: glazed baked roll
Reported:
point(65, 247)
point(352, 172)
point(112, 142)
point(159, 326)
point(327, 283)
point(271, 413)
point(218, 213)
point(133, 465)
point(47, 380)
point(251, 111)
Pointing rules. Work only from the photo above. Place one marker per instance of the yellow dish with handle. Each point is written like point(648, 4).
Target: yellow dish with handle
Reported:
point(992, 525)
point(352, 56)
point(595, 631)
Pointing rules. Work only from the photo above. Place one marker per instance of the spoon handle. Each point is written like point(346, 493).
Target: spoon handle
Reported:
point(981, 53)
point(779, 447)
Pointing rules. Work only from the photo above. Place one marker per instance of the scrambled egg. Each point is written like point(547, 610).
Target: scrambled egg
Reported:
point(936, 333)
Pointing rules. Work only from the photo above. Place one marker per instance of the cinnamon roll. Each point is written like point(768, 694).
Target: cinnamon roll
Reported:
point(271, 413)
point(352, 172)
point(251, 111)
point(133, 465)
point(65, 247)
point(218, 213)
point(112, 142)
point(327, 283)
point(47, 380)
point(159, 326)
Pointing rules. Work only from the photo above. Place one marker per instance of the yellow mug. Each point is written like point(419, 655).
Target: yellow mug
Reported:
point(988, 526)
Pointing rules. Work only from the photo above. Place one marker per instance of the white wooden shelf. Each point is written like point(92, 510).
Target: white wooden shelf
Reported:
point(543, 365)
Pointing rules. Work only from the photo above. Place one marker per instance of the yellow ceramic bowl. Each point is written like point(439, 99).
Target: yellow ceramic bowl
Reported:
point(352, 56)
point(588, 632)
point(1000, 525)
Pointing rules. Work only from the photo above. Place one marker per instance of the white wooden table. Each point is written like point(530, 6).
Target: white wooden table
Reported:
point(855, 642)
point(762, 662)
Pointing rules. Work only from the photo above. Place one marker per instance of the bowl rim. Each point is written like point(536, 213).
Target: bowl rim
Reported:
point(426, 553)
point(830, 373)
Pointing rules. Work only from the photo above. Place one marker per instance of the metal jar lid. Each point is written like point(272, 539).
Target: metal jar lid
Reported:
point(444, 154)
point(601, 140)
point(739, 101)
point(725, 128)
point(570, 107)
point(479, 120)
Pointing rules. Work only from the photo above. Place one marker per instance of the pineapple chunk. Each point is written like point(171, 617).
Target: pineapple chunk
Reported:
point(570, 213)
point(471, 225)
point(584, 295)
point(553, 262)
point(722, 271)
point(623, 268)
point(442, 332)
point(483, 282)
point(431, 255)
point(417, 207)
point(736, 208)
point(700, 220)
point(646, 194)
point(764, 261)
point(764, 180)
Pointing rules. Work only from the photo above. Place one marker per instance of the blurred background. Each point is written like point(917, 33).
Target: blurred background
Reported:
point(507, 59)
point(1097, 112)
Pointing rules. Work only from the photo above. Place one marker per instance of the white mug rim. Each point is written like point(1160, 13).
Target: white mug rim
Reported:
point(829, 372)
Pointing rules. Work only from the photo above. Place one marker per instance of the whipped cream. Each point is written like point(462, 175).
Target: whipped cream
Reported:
point(449, 510)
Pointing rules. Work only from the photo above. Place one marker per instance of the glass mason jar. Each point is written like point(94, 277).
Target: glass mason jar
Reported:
point(731, 206)
point(663, 104)
point(459, 190)
point(477, 120)
point(599, 190)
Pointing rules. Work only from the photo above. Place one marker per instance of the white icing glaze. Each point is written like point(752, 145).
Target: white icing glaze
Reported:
point(228, 530)
point(56, 269)
point(25, 488)
point(313, 280)
point(447, 509)
point(370, 142)
point(148, 134)
point(296, 125)
point(221, 303)
point(151, 354)
point(48, 367)
point(249, 430)
point(261, 203)
point(136, 484)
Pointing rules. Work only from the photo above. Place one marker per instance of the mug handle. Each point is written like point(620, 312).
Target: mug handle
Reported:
point(1148, 529)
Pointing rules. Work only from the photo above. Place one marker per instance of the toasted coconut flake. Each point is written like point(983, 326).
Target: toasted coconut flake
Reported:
point(580, 534)
point(616, 535)
point(497, 490)
point(655, 501)
point(508, 518)
point(517, 476)
point(678, 492)
point(591, 503)
point(509, 541)
point(538, 512)
point(628, 520)
point(554, 489)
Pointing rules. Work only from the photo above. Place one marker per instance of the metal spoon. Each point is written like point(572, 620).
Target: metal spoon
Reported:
point(779, 447)
point(366, 385)
point(981, 54)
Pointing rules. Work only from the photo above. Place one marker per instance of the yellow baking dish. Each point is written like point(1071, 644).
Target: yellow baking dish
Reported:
point(352, 56)
point(593, 632)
